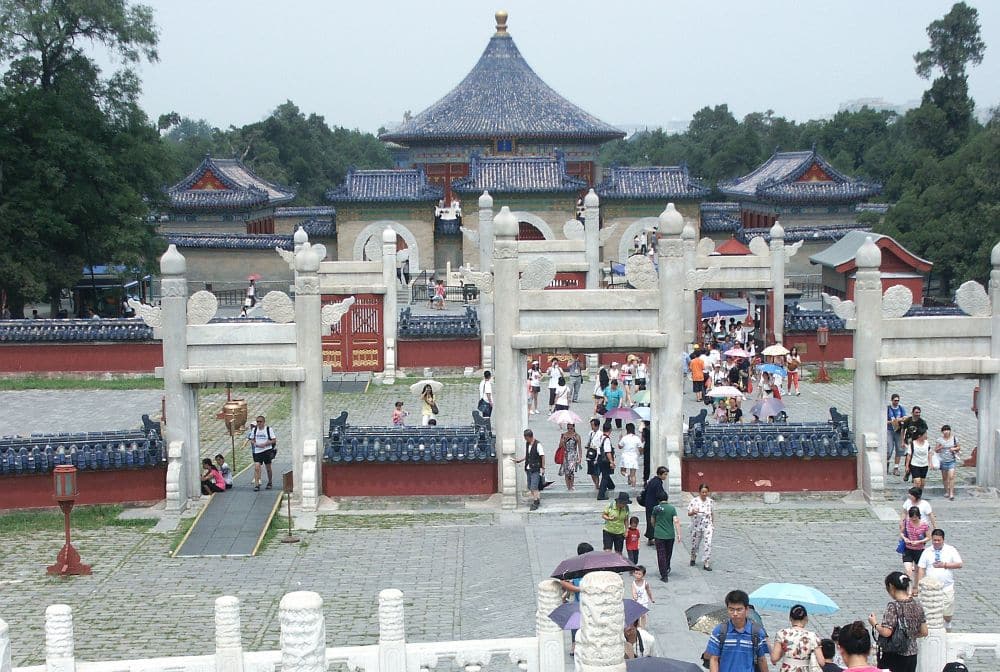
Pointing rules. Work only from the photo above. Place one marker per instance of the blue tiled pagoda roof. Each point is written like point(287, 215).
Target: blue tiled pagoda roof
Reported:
point(318, 211)
point(229, 241)
point(720, 217)
point(233, 186)
point(502, 97)
point(778, 180)
point(650, 182)
point(384, 185)
point(323, 227)
point(517, 175)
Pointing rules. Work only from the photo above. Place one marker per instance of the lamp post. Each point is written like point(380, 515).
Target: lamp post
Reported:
point(822, 340)
point(65, 492)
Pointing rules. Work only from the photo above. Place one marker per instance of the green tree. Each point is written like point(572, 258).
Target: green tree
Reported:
point(81, 160)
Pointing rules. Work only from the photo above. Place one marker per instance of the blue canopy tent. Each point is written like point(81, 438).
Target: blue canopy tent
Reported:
point(711, 307)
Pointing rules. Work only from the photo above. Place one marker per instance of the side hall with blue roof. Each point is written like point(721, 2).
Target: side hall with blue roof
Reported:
point(650, 183)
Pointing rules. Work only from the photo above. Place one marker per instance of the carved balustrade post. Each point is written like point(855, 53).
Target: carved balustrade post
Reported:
point(391, 632)
point(551, 657)
point(600, 642)
point(933, 649)
point(228, 638)
point(303, 632)
point(5, 656)
point(59, 644)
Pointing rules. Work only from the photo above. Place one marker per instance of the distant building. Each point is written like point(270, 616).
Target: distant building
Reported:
point(899, 265)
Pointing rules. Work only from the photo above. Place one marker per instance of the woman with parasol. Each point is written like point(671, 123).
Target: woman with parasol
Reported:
point(571, 448)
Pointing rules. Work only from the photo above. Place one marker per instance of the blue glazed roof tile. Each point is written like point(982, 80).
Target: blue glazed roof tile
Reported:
point(229, 241)
point(720, 217)
point(313, 211)
point(650, 183)
point(320, 228)
point(777, 180)
point(241, 188)
point(502, 97)
point(385, 185)
point(517, 174)
point(827, 232)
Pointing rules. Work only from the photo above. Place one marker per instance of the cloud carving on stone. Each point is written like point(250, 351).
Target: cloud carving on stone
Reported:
point(706, 246)
point(201, 307)
point(845, 310)
point(972, 298)
point(279, 307)
point(758, 247)
point(287, 255)
point(640, 272)
point(790, 250)
point(606, 232)
point(150, 315)
point(332, 312)
point(896, 301)
point(484, 281)
point(574, 230)
point(471, 234)
point(373, 248)
point(698, 278)
point(538, 274)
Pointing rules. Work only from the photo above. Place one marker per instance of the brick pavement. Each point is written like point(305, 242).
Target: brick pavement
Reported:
point(466, 574)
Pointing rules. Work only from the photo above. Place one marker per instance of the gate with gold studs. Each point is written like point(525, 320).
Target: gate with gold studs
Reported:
point(355, 344)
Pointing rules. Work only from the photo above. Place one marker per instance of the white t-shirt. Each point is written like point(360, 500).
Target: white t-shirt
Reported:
point(640, 371)
point(630, 445)
point(924, 506)
point(919, 454)
point(562, 395)
point(485, 387)
point(948, 554)
point(555, 373)
point(536, 378)
point(606, 445)
point(260, 436)
point(614, 373)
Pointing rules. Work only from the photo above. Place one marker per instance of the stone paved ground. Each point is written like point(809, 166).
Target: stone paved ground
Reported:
point(467, 572)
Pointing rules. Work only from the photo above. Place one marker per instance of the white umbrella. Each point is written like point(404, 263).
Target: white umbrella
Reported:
point(418, 387)
point(564, 417)
point(642, 412)
point(724, 391)
point(774, 350)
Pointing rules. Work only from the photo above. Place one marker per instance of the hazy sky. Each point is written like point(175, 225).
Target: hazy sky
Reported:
point(362, 64)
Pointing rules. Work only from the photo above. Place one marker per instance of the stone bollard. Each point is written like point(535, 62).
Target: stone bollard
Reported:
point(228, 638)
point(932, 649)
point(59, 645)
point(551, 657)
point(303, 632)
point(5, 664)
point(391, 631)
point(600, 643)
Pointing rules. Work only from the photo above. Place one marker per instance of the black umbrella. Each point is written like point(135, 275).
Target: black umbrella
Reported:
point(595, 561)
point(653, 664)
point(704, 617)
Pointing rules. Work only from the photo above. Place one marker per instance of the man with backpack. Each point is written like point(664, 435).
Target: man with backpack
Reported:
point(738, 644)
point(606, 462)
point(263, 443)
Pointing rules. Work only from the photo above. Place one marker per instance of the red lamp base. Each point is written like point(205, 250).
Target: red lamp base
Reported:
point(68, 563)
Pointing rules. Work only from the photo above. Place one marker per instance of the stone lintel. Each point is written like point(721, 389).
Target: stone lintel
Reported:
point(241, 333)
point(350, 289)
point(929, 367)
point(590, 342)
point(257, 374)
point(590, 300)
point(947, 326)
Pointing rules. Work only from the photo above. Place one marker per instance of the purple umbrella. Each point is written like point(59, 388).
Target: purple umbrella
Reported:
point(595, 561)
point(622, 413)
point(567, 616)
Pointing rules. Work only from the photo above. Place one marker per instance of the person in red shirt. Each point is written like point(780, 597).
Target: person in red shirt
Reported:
point(632, 539)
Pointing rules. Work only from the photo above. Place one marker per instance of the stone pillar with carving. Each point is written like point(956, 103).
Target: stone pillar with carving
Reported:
point(551, 657)
point(5, 655)
point(390, 312)
point(668, 392)
point(778, 281)
point(988, 452)
point(391, 631)
point(592, 238)
point(298, 238)
point(59, 644)
point(228, 638)
point(303, 632)
point(600, 642)
point(869, 409)
point(689, 239)
point(486, 317)
point(309, 344)
point(179, 399)
point(508, 381)
point(933, 649)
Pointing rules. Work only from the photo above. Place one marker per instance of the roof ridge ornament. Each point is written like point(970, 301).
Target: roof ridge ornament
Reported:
point(501, 17)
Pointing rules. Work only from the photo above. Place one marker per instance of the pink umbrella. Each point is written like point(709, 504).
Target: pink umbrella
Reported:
point(622, 413)
point(564, 417)
point(736, 352)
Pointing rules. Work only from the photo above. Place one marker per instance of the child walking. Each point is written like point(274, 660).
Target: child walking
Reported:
point(632, 539)
point(642, 593)
point(399, 415)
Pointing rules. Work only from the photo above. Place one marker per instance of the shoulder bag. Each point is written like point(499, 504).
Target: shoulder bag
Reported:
point(899, 640)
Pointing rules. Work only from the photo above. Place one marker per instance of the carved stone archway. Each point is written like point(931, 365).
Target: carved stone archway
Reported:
point(638, 226)
point(375, 230)
point(536, 222)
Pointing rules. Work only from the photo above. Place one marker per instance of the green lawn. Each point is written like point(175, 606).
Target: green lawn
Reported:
point(83, 518)
point(13, 384)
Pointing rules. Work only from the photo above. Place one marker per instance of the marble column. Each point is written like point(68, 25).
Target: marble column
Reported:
point(689, 239)
point(869, 416)
point(182, 414)
point(391, 631)
point(988, 453)
point(486, 317)
point(59, 639)
point(308, 413)
point(551, 656)
point(390, 311)
point(600, 642)
point(508, 381)
point(303, 632)
point(778, 281)
point(592, 238)
point(228, 639)
point(668, 394)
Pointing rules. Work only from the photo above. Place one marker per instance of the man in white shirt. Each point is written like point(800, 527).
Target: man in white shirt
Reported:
point(262, 442)
point(938, 562)
point(486, 395)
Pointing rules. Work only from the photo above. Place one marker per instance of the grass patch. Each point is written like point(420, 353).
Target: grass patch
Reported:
point(399, 520)
point(838, 375)
point(14, 384)
point(83, 518)
point(278, 527)
point(181, 531)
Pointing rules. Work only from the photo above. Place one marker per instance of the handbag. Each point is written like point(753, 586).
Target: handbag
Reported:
point(901, 547)
point(434, 408)
point(602, 408)
point(560, 455)
point(485, 408)
point(899, 640)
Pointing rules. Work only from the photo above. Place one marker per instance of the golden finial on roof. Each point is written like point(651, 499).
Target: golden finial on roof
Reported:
point(501, 17)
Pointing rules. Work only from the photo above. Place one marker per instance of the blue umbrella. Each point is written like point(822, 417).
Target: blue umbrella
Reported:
point(774, 369)
point(784, 596)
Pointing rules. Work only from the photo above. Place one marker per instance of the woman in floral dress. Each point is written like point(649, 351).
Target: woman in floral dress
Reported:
point(795, 646)
point(572, 447)
point(702, 526)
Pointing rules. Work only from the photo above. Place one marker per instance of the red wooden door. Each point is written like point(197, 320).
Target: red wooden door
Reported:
point(356, 344)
